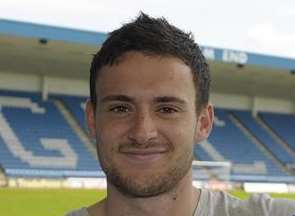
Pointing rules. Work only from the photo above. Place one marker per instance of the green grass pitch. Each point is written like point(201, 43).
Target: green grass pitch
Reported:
point(55, 202)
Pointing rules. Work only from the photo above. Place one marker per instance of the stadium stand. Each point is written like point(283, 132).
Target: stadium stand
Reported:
point(76, 105)
point(265, 138)
point(201, 154)
point(283, 125)
point(237, 147)
point(36, 140)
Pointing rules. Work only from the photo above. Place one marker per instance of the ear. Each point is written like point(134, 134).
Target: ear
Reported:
point(90, 119)
point(204, 123)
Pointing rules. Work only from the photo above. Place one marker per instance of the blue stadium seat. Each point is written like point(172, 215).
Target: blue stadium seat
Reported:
point(235, 146)
point(76, 104)
point(35, 136)
point(201, 154)
point(282, 124)
point(264, 137)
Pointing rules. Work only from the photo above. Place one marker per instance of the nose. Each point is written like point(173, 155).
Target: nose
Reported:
point(143, 129)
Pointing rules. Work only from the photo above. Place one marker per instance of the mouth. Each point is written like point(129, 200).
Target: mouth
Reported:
point(144, 155)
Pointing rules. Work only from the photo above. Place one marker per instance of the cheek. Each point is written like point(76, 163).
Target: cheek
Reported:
point(106, 144)
point(181, 133)
point(185, 127)
point(109, 134)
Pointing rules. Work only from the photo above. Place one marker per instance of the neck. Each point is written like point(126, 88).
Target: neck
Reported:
point(181, 200)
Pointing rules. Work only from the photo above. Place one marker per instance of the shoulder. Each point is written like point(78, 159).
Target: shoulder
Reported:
point(78, 212)
point(222, 203)
point(274, 207)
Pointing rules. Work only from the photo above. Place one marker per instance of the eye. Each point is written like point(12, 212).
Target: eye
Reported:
point(120, 109)
point(168, 110)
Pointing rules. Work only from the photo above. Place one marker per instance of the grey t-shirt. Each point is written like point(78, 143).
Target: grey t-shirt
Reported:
point(213, 203)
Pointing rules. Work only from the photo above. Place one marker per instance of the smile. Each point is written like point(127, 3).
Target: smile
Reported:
point(144, 155)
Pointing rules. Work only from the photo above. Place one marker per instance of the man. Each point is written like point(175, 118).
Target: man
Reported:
point(149, 104)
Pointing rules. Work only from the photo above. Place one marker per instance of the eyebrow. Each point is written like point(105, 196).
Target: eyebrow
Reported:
point(169, 99)
point(116, 98)
point(160, 99)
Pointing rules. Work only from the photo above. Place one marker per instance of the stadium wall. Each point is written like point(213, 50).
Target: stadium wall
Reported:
point(44, 84)
point(255, 104)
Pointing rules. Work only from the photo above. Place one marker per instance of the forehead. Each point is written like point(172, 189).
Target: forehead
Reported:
point(141, 76)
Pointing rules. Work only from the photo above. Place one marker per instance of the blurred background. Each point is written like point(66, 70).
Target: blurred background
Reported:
point(48, 165)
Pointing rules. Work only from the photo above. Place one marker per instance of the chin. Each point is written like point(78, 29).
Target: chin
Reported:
point(133, 184)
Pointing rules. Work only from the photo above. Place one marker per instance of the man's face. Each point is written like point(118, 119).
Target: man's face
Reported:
point(145, 123)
